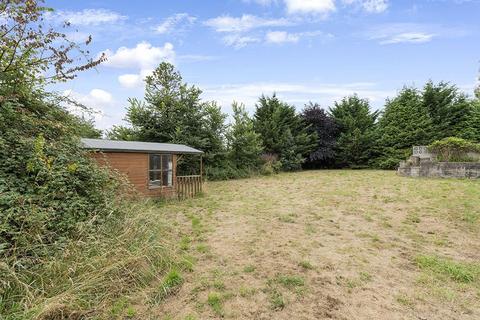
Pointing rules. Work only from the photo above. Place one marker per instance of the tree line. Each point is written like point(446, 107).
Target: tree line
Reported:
point(349, 134)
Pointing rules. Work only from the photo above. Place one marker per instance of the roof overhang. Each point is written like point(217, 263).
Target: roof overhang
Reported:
point(104, 145)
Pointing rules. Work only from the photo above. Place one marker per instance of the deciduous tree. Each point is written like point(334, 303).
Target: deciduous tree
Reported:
point(321, 123)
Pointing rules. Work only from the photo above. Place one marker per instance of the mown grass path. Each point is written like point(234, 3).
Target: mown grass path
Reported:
point(328, 245)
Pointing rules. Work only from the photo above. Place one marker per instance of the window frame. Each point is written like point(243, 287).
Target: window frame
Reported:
point(151, 183)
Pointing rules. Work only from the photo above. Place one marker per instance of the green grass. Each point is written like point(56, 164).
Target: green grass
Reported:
point(249, 269)
point(471, 217)
point(185, 243)
point(405, 301)
point(214, 300)
point(290, 281)
point(124, 257)
point(365, 276)
point(119, 307)
point(247, 291)
point(287, 218)
point(277, 300)
point(457, 271)
point(219, 285)
point(306, 265)
point(203, 248)
point(172, 281)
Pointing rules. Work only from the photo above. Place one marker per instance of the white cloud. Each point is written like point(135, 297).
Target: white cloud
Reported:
point(129, 80)
point(370, 6)
point(86, 17)
point(239, 41)
point(175, 23)
point(97, 100)
point(414, 33)
point(101, 96)
point(407, 33)
point(244, 23)
point(279, 37)
point(375, 6)
point(134, 80)
point(408, 37)
point(144, 57)
point(322, 7)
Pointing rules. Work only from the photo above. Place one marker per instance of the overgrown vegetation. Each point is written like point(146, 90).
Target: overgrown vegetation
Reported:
point(49, 189)
point(68, 240)
point(454, 149)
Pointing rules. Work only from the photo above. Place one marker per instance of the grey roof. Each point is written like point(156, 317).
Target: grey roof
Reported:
point(137, 146)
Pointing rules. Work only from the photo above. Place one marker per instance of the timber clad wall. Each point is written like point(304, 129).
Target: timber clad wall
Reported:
point(135, 166)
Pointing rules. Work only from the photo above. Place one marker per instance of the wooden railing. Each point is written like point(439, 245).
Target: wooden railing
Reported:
point(188, 186)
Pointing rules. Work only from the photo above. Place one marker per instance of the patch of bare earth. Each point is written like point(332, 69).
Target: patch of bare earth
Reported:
point(327, 245)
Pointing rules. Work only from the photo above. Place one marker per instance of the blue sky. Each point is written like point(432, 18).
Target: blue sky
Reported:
point(305, 50)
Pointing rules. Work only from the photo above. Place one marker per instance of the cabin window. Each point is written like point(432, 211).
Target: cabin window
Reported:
point(160, 170)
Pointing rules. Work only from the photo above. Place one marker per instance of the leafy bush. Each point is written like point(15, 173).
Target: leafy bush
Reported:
point(49, 188)
point(388, 163)
point(226, 172)
point(453, 149)
point(271, 165)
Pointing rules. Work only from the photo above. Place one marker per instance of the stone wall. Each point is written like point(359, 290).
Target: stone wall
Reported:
point(440, 169)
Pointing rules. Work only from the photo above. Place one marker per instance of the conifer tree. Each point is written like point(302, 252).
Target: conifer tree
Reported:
point(356, 125)
point(173, 112)
point(244, 146)
point(404, 122)
point(449, 110)
point(283, 132)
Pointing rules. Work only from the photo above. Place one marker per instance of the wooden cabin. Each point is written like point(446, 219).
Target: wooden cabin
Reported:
point(150, 167)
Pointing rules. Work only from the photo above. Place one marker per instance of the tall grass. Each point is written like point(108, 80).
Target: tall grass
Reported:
point(90, 275)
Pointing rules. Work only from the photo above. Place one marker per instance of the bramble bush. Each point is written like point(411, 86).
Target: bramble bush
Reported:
point(50, 189)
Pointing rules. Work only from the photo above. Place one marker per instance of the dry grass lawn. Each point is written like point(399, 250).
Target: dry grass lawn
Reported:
point(325, 245)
